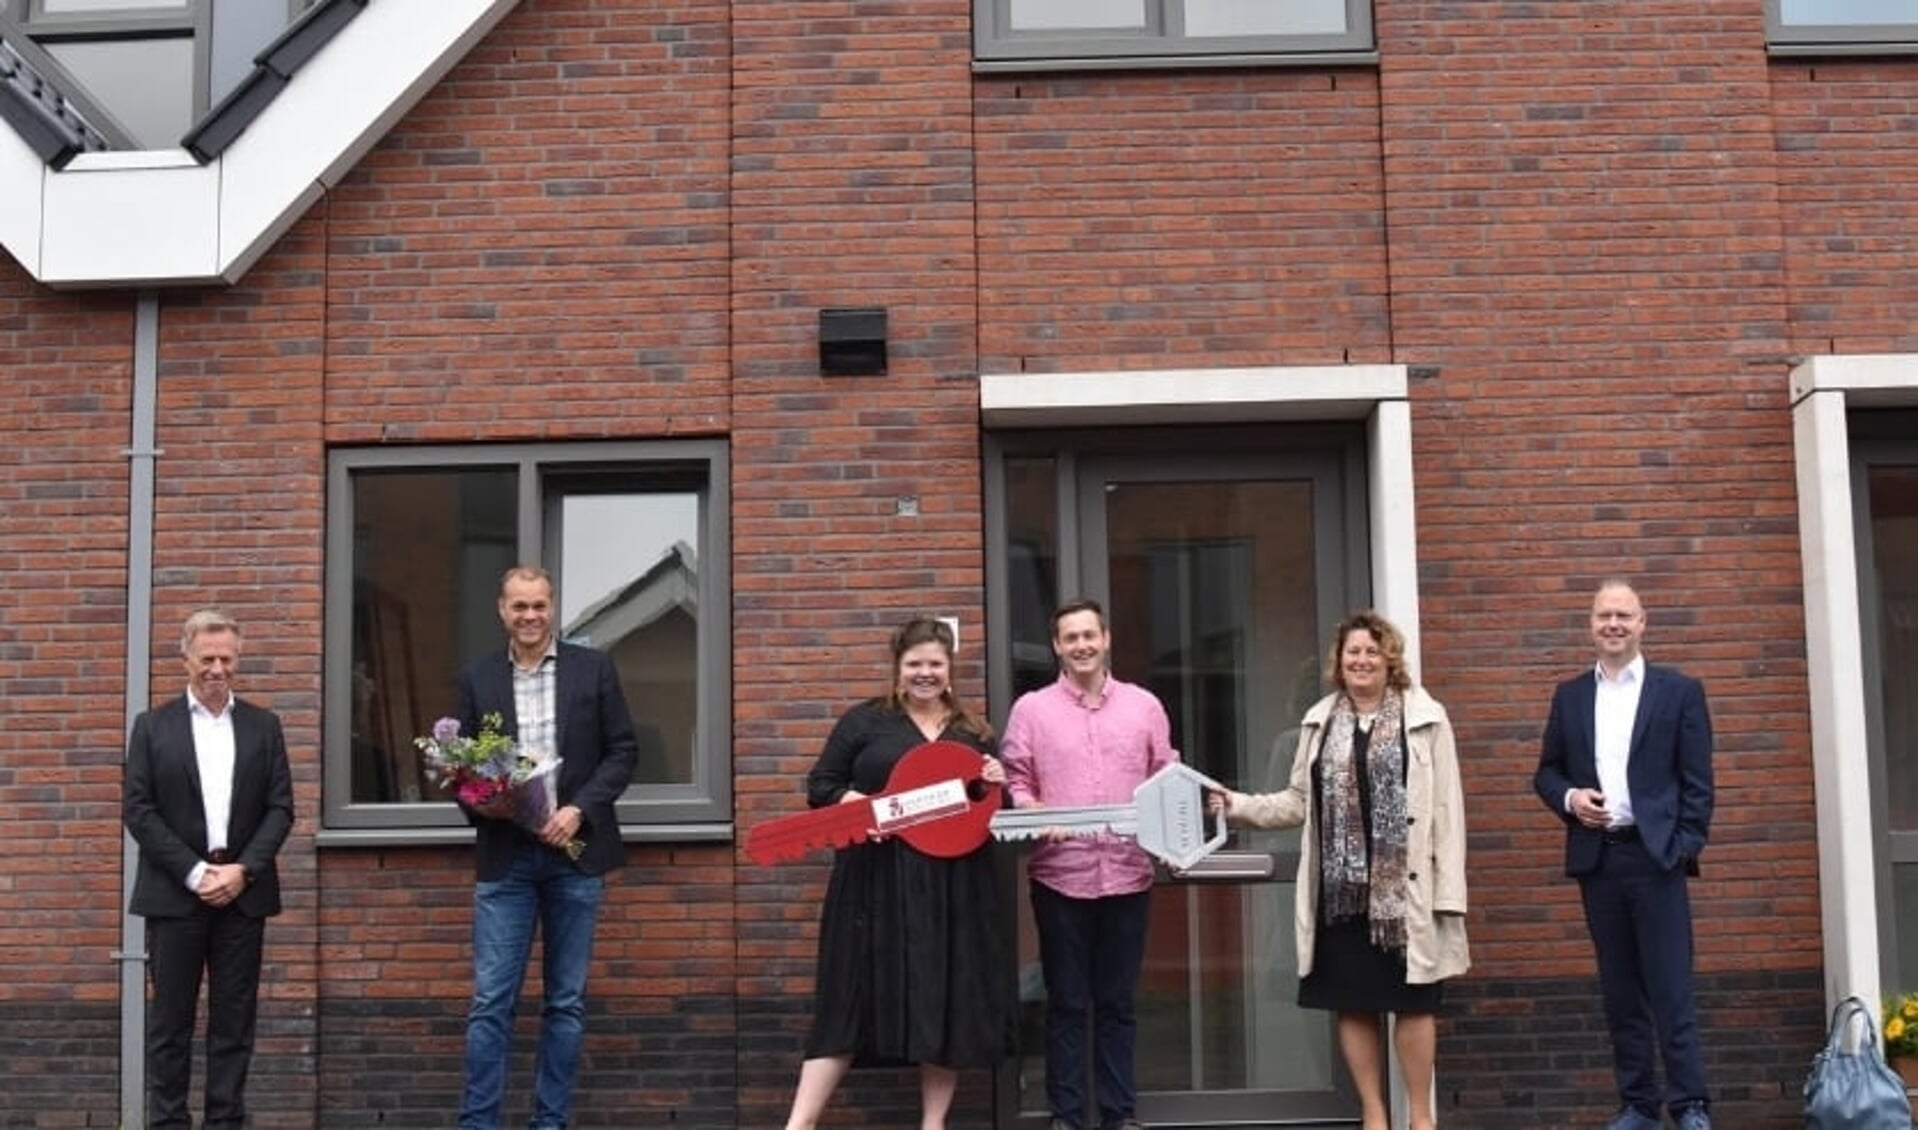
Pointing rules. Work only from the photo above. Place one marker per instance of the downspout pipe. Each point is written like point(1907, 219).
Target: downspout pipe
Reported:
point(141, 456)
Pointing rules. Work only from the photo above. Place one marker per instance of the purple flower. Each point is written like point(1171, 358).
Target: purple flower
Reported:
point(446, 729)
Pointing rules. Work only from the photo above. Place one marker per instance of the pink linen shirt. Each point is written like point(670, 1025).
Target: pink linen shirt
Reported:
point(1064, 748)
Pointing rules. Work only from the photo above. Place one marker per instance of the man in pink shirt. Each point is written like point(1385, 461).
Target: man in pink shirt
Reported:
point(1087, 739)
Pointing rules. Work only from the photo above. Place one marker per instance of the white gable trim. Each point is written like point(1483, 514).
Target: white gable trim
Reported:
point(146, 219)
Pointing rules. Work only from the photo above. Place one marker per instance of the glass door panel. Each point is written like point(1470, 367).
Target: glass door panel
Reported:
point(1891, 493)
point(1220, 574)
point(1211, 575)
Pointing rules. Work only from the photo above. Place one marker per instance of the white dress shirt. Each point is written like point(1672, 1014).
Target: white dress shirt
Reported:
point(1615, 712)
point(213, 750)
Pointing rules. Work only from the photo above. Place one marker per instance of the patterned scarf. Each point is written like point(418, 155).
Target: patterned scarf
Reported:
point(1351, 883)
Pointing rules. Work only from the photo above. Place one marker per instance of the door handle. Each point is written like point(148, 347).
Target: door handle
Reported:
point(1229, 867)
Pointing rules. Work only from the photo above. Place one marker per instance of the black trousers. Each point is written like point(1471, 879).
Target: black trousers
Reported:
point(1640, 917)
point(223, 947)
point(1091, 951)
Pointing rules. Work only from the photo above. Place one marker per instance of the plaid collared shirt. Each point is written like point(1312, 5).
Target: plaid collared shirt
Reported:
point(535, 695)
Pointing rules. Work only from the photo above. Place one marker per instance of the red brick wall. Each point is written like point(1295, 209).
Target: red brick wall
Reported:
point(1145, 220)
point(67, 361)
point(1602, 228)
point(852, 186)
point(1845, 166)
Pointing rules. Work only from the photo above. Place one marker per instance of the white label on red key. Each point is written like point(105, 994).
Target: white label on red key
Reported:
point(916, 806)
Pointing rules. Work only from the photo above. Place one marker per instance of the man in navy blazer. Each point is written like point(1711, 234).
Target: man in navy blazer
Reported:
point(1626, 763)
point(555, 700)
point(208, 797)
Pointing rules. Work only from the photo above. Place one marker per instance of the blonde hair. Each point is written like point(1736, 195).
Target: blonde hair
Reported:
point(202, 622)
point(525, 573)
point(1391, 647)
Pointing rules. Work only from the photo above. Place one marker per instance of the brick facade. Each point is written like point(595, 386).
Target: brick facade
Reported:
point(1600, 231)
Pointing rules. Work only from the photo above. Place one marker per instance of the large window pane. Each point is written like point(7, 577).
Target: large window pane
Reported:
point(1894, 539)
point(1077, 15)
point(629, 586)
point(1032, 568)
point(1904, 894)
point(1893, 501)
point(1841, 12)
point(1211, 584)
point(68, 7)
point(1211, 18)
point(147, 84)
point(428, 551)
point(240, 29)
point(417, 541)
point(1169, 31)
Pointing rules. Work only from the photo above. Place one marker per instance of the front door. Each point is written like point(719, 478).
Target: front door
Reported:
point(1222, 566)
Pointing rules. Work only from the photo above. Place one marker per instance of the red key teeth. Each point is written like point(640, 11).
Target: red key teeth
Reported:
point(954, 827)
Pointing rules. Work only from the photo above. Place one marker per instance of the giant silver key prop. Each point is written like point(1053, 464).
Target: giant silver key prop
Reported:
point(1167, 818)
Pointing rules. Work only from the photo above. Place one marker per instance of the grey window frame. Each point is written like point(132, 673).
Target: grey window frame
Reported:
point(996, 47)
point(1786, 39)
point(699, 811)
point(28, 20)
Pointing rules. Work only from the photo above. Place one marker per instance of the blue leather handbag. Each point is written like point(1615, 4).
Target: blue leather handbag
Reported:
point(1854, 1089)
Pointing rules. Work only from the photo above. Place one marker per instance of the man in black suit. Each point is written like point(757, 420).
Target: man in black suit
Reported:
point(555, 700)
point(1626, 762)
point(208, 796)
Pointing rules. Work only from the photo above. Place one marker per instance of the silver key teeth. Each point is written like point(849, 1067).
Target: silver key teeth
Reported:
point(1032, 823)
point(1167, 818)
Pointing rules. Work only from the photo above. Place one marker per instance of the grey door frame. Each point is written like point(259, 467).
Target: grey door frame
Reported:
point(1899, 847)
point(1333, 459)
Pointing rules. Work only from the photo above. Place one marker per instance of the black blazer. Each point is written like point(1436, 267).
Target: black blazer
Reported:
point(1669, 771)
point(161, 805)
point(597, 750)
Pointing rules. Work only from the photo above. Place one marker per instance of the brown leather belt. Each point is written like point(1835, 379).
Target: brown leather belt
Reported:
point(221, 856)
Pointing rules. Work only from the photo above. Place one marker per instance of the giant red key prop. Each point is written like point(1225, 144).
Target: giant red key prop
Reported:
point(935, 799)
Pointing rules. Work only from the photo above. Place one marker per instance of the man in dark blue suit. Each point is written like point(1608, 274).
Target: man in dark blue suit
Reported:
point(1626, 762)
point(555, 700)
point(208, 796)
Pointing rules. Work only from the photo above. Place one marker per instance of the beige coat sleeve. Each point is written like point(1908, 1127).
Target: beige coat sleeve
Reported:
point(1448, 829)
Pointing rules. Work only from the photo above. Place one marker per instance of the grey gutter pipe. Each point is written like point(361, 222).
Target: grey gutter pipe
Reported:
point(141, 456)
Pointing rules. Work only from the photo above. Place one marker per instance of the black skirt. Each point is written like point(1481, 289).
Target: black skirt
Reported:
point(915, 961)
point(1350, 974)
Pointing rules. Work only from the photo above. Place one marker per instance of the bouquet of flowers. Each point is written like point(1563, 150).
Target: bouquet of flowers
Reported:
point(488, 772)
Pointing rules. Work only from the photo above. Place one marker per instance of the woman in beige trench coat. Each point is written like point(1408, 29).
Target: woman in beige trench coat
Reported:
point(1381, 887)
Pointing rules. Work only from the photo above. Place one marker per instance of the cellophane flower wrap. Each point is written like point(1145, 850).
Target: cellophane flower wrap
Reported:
point(483, 768)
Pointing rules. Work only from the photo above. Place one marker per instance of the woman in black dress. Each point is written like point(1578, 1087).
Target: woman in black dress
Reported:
point(1381, 891)
point(914, 951)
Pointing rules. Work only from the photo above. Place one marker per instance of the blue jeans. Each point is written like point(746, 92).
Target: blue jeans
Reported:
point(1091, 951)
point(542, 891)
